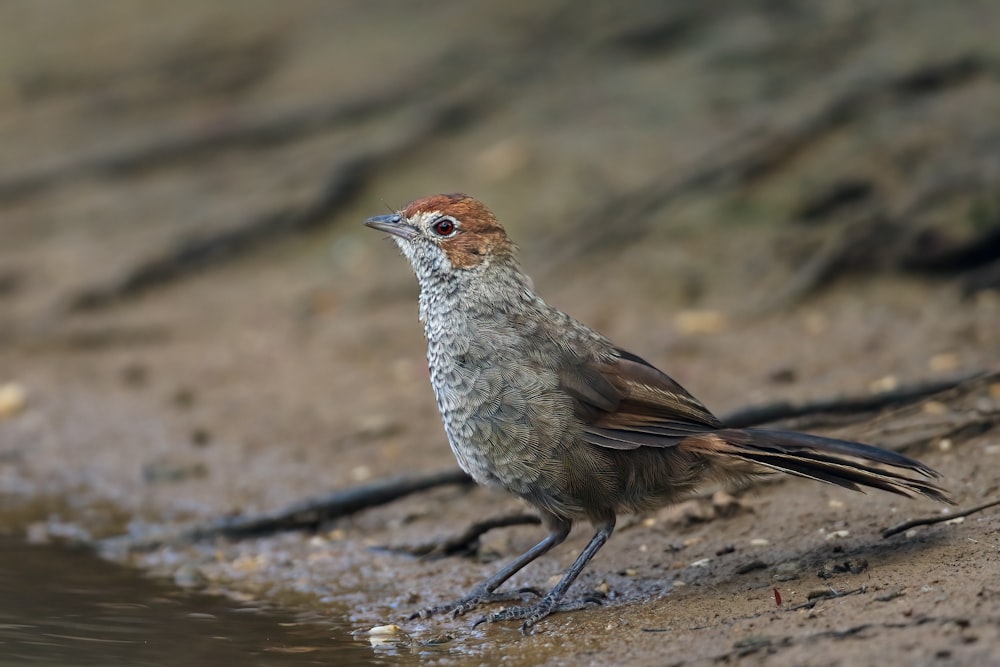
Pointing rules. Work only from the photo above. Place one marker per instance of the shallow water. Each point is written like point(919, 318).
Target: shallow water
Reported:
point(61, 606)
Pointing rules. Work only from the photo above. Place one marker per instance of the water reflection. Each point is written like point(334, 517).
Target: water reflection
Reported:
point(67, 607)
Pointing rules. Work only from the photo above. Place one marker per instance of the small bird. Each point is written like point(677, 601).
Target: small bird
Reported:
point(542, 406)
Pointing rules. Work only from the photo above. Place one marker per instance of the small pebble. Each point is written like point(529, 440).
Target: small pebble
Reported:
point(838, 534)
point(816, 324)
point(935, 408)
point(361, 473)
point(13, 398)
point(385, 630)
point(390, 634)
point(377, 426)
point(946, 361)
point(700, 321)
point(887, 383)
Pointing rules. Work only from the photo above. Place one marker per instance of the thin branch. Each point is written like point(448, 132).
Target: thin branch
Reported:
point(772, 412)
point(466, 542)
point(305, 515)
point(938, 518)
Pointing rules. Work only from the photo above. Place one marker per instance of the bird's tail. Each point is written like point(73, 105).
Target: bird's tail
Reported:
point(841, 462)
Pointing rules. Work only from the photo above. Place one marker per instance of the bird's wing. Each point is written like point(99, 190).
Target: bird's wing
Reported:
point(628, 403)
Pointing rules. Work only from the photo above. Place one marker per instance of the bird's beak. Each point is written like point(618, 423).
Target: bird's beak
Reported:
point(393, 224)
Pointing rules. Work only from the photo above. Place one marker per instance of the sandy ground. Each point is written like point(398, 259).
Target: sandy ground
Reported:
point(295, 366)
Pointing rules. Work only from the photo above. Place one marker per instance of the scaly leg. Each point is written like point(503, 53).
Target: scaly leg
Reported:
point(485, 593)
point(551, 603)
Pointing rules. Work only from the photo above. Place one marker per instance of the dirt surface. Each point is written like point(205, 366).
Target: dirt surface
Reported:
point(758, 197)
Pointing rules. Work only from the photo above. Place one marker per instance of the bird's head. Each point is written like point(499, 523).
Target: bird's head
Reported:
point(447, 235)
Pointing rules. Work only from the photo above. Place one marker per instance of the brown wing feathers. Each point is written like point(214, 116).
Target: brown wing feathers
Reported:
point(629, 404)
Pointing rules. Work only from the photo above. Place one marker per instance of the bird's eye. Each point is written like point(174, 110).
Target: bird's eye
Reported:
point(444, 226)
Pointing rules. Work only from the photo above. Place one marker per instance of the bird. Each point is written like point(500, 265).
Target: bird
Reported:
point(540, 405)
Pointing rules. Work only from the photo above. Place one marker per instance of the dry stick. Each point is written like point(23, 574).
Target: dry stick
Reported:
point(829, 595)
point(466, 541)
point(772, 412)
point(307, 514)
point(940, 518)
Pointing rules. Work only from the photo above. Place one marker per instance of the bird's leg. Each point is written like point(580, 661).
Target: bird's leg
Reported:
point(552, 602)
point(485, 592)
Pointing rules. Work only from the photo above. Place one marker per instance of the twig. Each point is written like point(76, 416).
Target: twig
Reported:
point(467, 541)
point(939, 518)
point(304, 515)
point(832, 595)
point(772, 412)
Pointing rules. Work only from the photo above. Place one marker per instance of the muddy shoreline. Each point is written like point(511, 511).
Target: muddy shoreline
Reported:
point(770, 203)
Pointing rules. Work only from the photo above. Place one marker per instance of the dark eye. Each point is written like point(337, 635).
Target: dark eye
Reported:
point(444, 226)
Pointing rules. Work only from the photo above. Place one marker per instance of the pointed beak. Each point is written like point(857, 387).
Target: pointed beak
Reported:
point(393, 224)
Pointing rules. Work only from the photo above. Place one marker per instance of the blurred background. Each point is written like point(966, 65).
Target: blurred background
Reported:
point(770, 199)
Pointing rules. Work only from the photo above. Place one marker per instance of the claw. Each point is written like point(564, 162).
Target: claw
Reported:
point(476, 599)
point(532, 614)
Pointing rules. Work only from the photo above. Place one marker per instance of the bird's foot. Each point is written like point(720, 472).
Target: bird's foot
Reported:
point(476, 599)
point(532, 614)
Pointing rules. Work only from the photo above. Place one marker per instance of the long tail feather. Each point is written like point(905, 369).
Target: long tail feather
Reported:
point(841, 462)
